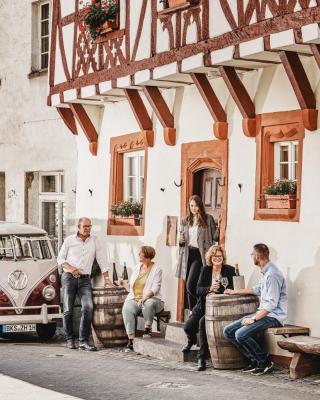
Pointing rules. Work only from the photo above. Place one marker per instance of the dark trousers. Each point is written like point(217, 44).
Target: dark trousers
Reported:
point(71, 287)
point(197, 323)
point(244, 337)
point(193, 272)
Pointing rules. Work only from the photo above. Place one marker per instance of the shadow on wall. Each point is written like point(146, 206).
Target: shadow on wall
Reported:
point(304, 297)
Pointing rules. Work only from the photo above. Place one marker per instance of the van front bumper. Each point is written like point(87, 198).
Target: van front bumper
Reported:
point(43, 318)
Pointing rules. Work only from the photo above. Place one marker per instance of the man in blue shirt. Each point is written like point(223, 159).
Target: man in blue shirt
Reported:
point(271, 313)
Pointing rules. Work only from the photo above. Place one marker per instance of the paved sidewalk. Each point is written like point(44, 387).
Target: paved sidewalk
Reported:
point(14, 389)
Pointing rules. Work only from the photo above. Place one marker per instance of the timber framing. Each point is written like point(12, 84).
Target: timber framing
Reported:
point(163, 113)
point(220, 126)
point(302, 88)
point(68, 118)
point(242, 99)
point(124, 62)
point(87, 126)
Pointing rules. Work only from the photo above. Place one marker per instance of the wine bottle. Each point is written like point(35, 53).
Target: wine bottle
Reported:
point(125, 272)
point(114, 273)
point(237, 271)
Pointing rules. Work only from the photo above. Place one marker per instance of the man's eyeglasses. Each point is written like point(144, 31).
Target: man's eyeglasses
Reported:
point(86, 226)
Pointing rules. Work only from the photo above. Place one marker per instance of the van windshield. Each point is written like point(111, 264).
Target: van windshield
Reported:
point(24, 248)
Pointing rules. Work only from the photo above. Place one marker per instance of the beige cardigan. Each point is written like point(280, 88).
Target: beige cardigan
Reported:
point(207, 236)
point(153, 282)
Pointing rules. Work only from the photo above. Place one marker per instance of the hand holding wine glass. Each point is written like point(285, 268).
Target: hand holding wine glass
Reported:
point(224, 282)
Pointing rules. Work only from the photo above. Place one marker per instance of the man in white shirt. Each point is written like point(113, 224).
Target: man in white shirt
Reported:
point(76, 257)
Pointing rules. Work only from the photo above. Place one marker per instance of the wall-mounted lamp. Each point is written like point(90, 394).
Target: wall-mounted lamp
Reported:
point(178, 184)
point(162, 189)
point(240, 186)
point(90, 191)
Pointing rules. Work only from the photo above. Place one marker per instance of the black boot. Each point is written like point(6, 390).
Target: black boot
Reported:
point(202, 366)
point(187, 347)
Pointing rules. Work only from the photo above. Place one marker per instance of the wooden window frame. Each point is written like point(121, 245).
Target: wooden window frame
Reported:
point(274, 128)
point(119, 146)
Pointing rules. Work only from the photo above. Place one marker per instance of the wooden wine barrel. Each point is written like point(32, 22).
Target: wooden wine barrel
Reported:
point(107, 315)
point(221, 310)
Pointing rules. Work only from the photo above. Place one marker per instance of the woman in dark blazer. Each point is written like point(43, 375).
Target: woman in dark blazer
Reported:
point(209, 282)
point(198, 232)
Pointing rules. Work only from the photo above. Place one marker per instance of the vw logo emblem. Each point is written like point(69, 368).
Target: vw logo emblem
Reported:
point(17, 280)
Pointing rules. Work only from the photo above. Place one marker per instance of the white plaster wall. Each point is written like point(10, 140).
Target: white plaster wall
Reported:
point(32, 136)
point(294, 247)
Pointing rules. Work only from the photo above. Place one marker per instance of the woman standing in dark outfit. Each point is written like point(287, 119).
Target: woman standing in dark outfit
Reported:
point(209, 282)
point(198, 232)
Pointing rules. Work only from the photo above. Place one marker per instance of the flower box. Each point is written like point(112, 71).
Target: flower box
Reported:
point(134, 220)
point(281, 201)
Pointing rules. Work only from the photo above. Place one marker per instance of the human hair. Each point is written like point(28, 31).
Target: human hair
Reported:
point(202, 214)
point(212, 252)
point(80, 220)
point(261, 250)
point(148, 252)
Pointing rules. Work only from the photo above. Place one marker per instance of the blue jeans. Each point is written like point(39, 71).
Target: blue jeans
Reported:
point(243, 337)
point(72, 286)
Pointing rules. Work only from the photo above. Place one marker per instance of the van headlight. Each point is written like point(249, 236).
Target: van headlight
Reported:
point(49, 293)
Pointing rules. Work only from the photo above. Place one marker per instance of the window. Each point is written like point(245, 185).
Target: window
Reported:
point(128, 179)
point(24, 248)
point(52, 182)
point(286, 160)
point(40, 36)
point(279, 157)
point(52, 207)
point(134, 176)
point(44, 35)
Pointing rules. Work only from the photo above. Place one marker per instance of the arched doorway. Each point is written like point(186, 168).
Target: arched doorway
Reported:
point(204, 171)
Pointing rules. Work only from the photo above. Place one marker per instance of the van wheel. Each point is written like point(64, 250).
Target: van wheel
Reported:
point(46, 331)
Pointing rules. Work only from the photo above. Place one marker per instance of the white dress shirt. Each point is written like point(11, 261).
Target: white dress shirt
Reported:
point(81, 254)
point(193, 236)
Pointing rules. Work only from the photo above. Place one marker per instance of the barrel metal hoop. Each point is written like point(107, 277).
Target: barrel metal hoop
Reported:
point(228, 304)
point(232, 317)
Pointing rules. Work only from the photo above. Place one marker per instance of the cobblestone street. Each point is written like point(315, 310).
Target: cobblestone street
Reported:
point(114, 374)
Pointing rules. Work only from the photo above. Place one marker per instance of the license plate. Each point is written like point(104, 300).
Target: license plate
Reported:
point(19, 328)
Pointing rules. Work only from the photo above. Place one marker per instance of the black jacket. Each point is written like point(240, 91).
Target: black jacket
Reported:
point(204, 284)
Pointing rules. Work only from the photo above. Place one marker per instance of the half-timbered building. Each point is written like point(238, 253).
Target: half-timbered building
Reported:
point(215, 97)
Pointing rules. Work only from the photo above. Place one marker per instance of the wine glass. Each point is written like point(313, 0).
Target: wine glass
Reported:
point(224, 282)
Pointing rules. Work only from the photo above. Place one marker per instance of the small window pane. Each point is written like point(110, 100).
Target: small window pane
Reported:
point(44, 61)
point(62, 184)
point(45, 11)
point(132, 187)
point(295, 171)
point(45, 45)
point(45, 249)
point(284, 154)
point(284, 171)
point(44, 28)
point(48, 184)
point(132, 166)
point(296, 146)
point(141, 159)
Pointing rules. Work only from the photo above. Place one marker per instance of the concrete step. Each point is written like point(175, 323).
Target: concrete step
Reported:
point(175, 333)
point(163, 349)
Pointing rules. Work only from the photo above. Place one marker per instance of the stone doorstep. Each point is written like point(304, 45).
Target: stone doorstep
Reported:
point(163, 349)
point(175, 333)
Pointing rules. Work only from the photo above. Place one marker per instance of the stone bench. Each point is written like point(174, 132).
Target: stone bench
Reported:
point(306, 352)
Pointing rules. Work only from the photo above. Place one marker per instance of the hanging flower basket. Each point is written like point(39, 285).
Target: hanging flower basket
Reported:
point(98, 17)
point(134, 220)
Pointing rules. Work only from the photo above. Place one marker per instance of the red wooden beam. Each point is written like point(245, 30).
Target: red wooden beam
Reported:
point(139, 109)
point(68, 118)
point(220, 127)
point(242, 99)
point(315, 48)
point(87, 126)
point(302, 87)
point(163, 113)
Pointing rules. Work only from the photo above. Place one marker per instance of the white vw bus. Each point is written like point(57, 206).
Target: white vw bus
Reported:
point(29, 281)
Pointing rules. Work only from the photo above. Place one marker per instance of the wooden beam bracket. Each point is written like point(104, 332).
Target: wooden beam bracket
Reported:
point(68, 118)
point(141, 114)
point(220, 126)
point(242, 99)
point(301, 86)
point(87, 126)
point(163, 113)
